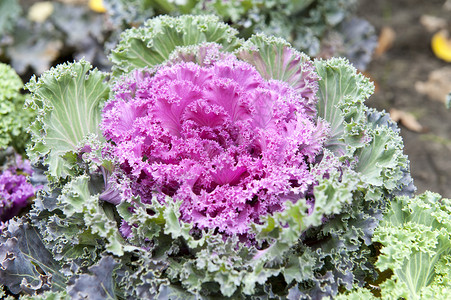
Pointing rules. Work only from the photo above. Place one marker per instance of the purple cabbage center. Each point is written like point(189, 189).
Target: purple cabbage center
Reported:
point(229, 144)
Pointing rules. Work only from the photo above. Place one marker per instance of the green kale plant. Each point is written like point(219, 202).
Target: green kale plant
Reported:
point(14, 118)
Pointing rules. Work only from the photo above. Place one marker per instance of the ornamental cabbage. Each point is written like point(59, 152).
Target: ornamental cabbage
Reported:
point(204, 166)
point(228, 144)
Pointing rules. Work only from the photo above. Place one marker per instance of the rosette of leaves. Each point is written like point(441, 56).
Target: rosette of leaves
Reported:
point(322, 28)
point(204, 166)
point(14, 118)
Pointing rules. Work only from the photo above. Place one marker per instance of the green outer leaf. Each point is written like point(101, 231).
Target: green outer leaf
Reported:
point(68, 99)
point(153, 43)
point(76, 201)
point(381, 161)
point(274, 58)
point(340, 87)
point(357, 133)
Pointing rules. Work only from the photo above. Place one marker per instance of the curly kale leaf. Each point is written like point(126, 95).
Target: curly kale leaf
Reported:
point(416, 239)
point(415, 250)
point(14, 118)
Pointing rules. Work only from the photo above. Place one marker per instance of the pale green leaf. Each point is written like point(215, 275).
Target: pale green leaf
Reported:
point(76, 200)
point(416, 235)
point(381, 160)
point(274, 58)
point(340, 88)
point(68, 99)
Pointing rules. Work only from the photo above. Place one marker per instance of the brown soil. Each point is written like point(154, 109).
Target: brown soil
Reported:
point(395, 73)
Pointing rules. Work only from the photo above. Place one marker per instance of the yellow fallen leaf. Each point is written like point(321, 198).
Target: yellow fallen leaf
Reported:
point(441, 45)
point(40, 11)
point(97, 6)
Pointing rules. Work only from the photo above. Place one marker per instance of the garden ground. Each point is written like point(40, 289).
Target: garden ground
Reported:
point(408, 61)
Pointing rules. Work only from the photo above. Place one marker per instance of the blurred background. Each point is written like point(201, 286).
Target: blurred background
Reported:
point(412, 72)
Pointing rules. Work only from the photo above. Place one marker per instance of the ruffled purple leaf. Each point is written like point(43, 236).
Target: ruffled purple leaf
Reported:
point(228, 143)
point(15, 190)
